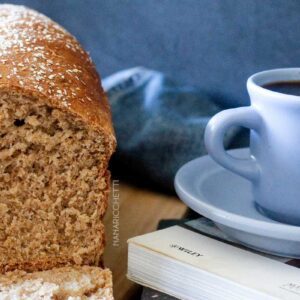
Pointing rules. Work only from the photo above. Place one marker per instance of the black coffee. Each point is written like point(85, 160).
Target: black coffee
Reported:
point(285, 87)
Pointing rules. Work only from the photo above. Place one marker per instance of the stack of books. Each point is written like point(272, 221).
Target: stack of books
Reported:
point(196, 261)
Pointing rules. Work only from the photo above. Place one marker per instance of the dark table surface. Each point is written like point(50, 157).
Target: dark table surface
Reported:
point(149, 294)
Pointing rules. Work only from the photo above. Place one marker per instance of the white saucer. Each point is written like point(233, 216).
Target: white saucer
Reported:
point(226, 198)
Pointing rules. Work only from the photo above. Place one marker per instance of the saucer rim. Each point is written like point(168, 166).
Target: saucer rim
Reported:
point(233, 220)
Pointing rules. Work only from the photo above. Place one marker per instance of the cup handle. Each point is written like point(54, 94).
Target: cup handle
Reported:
point(214, 135)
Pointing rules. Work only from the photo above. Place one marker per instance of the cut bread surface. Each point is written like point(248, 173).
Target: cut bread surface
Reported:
point(53, 186)
point(66, 283)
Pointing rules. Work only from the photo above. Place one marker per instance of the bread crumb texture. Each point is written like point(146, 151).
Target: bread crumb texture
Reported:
point(66, 283)
point(53, 187)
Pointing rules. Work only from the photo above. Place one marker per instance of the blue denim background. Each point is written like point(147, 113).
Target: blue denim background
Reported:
point(212, 44)
point(159, 125)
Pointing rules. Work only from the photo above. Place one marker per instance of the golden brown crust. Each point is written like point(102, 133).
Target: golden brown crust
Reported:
point(39, 59)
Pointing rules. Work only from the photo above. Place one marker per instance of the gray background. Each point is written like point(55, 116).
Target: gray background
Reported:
point(212, 44)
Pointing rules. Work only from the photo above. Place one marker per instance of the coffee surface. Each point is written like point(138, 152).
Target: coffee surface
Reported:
point(285, 87)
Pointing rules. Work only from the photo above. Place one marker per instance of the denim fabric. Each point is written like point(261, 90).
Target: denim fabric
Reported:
point(159, 124)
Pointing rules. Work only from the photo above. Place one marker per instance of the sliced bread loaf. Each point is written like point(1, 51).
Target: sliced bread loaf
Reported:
point(56, 141)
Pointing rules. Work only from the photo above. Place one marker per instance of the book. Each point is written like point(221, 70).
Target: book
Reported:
point(195, 260)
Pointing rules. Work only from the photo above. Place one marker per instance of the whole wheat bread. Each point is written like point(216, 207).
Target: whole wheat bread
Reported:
point(66, 283)
point(56, 141)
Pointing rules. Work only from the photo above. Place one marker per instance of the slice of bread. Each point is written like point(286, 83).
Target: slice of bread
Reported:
point(66, 283)
point(56, 142)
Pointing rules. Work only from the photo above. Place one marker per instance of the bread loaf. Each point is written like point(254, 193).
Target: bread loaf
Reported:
point(56, 141)
point(66, 283)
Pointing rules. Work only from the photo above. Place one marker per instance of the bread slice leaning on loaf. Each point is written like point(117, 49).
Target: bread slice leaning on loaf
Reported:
point(56, 141)
point(66, 283)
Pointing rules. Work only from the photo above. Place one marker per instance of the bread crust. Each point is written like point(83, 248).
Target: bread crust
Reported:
point(40, 59)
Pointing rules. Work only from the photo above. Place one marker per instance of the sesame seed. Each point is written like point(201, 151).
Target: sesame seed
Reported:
point(20, 31)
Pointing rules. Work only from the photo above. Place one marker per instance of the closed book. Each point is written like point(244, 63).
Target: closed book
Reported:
point(195, 260)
